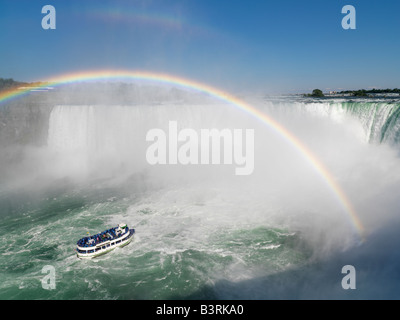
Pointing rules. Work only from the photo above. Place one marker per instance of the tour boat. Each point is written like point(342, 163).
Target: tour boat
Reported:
point(103, 242)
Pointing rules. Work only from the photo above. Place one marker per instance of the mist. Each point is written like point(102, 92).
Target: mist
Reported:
point(102, 145)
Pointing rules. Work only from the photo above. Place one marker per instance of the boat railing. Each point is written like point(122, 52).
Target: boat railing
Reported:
point(99, 238)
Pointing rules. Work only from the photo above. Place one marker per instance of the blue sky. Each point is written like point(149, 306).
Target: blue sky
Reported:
point(261, 45)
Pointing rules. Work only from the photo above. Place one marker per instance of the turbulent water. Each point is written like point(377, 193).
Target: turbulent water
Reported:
point(201, 231)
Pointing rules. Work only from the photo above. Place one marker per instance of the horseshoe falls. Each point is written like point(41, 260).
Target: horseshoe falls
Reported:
point(75, 167)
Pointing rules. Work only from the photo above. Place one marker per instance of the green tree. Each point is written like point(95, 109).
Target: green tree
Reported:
point(317, 93)
point(360, 93)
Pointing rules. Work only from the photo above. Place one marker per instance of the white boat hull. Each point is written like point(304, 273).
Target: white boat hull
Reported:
point(103, 248)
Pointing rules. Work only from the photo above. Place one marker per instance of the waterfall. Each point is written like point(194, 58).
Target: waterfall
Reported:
point(379, 119)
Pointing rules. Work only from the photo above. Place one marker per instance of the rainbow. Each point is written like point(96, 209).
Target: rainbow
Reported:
point(127, 15)
point(134, 17)
point(218, 94)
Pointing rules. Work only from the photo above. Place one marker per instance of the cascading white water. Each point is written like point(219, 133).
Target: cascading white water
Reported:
point(108, 138)
point(95, 137)
point(380, 119)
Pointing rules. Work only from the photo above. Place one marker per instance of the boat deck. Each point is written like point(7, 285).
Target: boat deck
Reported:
point(107, 235)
